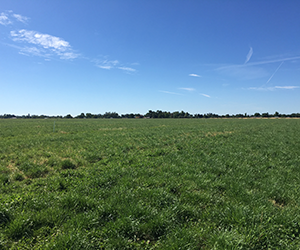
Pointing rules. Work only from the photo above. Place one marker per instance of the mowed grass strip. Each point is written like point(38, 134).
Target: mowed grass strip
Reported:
point(150, 184)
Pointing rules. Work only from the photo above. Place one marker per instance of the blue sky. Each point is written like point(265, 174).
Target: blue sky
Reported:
point(73, 56)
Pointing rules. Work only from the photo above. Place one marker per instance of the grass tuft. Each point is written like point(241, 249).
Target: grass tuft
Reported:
point(68, 164)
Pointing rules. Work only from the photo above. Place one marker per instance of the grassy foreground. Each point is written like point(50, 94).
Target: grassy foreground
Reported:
point(150, 184)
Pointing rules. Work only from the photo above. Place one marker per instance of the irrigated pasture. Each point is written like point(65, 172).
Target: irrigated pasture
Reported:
point(150, 184)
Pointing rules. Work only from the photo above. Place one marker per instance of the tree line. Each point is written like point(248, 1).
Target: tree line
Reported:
point(151, 114)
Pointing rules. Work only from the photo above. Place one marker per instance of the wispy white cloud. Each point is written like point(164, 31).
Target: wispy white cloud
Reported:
point(32, 51)
point(188, 89)
point(21, 18)
point(112, 64)
point(8, 17)
point(286, 87)
point(249, 55)
point(273, 61)
point(168, 92)
point(4, 20)
point(68, 55)
point(206, 95)
point(104, 66)
point(262, 88)
point(253, 70)
point(47, 44)
point(195, 75)
point(236, 66)
point(45, 40)
point(127, 69)
point(273, 88)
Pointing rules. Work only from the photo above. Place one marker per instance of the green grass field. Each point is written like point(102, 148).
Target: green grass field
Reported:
point(150, 184)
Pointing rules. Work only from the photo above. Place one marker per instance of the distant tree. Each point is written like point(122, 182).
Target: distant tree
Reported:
point(68, 116)
point(198, 116)
point(181, 114)
point(8, 116)
point(111, 115)
point(82, 115)
point(149, 114)
point(175, 114)
point(295, 115)
point(154, 114)
point(211, 115)
point(257, 115)
point(187, 115)
point(265, 114)
point(89, 115)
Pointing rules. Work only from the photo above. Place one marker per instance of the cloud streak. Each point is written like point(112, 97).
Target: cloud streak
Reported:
point(249, 55)
point(208, 96)
point(46, 44)
point(274, 73)
point(258, 63)
point(274, 61)
point(113, 64)
point(273, 88)
point(168, 92)
point(8, 17)
point(127, 69)
point(286, 87)
point(45, 40)
point(20, 18)
point(33, 51)
point(4, 20)
point(188, 89)
point(253, 70)
point(106, 64)
point(194, 75)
